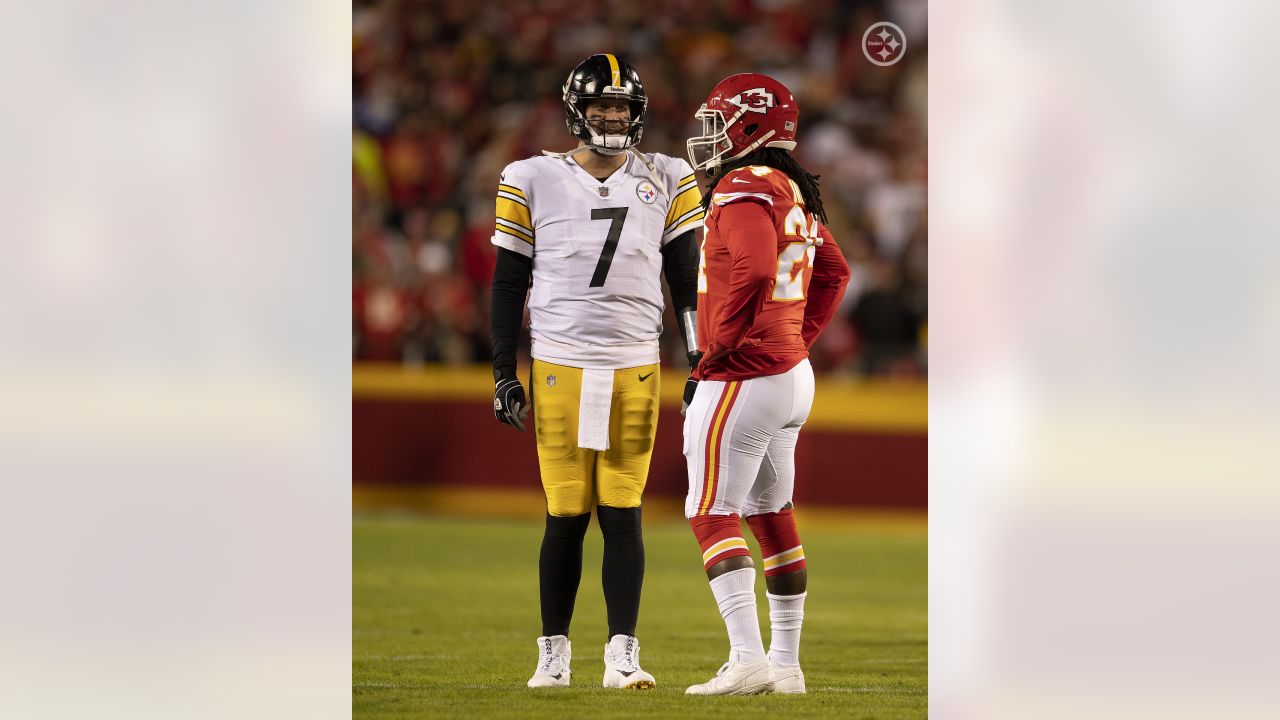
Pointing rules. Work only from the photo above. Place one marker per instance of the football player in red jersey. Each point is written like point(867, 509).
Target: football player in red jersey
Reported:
point(769, 281)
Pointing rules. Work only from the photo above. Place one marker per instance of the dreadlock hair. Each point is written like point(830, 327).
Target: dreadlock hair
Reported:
point(777, 159)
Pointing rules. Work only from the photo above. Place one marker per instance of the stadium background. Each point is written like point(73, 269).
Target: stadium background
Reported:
point(447, 93)
point(444, 596)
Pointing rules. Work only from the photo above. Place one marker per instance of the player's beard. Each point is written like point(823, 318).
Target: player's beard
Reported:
point(610, 127)
point(607, 129)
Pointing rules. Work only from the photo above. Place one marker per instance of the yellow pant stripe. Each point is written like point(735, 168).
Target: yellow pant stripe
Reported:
point(713, 447)
point(784, 558)
point(726, 544)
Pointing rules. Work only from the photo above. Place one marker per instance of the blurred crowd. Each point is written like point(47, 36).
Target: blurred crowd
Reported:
point(447, 92)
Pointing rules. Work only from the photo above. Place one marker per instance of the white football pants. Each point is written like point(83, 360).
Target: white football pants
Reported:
point(740, 440)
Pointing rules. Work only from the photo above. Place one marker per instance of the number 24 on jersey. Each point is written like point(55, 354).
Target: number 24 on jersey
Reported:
point(789, 284)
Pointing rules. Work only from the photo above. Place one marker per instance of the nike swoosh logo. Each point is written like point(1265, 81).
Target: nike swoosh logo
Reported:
point(740, 180)
point(624, 673)
point(556, 676)
point(645, 377)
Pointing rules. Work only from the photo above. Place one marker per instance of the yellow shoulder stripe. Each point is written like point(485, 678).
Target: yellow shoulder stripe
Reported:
point(689, 218)
point(514, 231)
point(515, 213)
point(680, 193)
point(513, 190)
point(683, 203)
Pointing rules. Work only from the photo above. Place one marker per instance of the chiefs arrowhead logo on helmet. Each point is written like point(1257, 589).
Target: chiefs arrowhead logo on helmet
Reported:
point(743, 112)
point(754, 100)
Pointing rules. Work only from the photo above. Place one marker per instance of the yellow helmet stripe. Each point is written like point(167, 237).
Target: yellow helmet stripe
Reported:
point(613, 66)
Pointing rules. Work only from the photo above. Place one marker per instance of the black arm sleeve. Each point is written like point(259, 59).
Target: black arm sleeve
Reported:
point(680, 265)
point(511, 279)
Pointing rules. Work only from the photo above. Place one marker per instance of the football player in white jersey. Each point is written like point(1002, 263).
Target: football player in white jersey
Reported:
point(593, 230)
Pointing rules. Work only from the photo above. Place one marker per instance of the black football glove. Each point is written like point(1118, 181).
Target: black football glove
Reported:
point(509, 405)
point(690, 385)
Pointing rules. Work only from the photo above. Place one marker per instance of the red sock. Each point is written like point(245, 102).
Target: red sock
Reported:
point(720, 537)
point(779, 542)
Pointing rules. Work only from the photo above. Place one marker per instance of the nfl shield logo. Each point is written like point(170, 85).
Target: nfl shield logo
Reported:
point(604, 191)
point(551, 381)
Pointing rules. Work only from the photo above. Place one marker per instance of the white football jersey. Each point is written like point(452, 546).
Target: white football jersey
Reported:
point(596, 300)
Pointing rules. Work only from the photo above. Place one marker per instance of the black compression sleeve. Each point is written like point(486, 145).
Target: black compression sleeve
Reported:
point(511, 278)
point(680, 265)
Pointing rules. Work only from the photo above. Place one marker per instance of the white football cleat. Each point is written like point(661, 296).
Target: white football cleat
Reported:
point(553, 662)
point(788, 680)
point(622, 664)
point(737, 678)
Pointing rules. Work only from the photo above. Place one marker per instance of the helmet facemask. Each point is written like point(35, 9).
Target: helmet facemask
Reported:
point(707, 150)
point(607, 143)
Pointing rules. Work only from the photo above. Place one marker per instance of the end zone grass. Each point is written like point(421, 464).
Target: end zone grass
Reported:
point(445, 613)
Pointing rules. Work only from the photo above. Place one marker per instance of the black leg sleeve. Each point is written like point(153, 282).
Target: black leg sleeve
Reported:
point(623, 571)
point(560, 570)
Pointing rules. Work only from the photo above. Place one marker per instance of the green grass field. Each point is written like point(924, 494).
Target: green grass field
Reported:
point(445, 613)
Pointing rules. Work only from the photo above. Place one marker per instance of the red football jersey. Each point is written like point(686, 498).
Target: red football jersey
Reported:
point(769, 278)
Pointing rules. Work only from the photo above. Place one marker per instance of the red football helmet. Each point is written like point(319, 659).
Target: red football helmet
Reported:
point(743, 112)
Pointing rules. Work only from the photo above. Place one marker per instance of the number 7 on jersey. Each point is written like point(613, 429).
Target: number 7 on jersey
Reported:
point(616, 217)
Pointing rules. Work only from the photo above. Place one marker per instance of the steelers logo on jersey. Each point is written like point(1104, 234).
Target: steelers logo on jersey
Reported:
point(646, 192)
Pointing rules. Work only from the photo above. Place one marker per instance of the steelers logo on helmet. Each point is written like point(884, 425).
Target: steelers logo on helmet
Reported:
point(605, 77)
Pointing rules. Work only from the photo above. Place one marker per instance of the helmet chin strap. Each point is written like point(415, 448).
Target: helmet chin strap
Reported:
point(754, 145)
point(602, 143)
point(567, 155)
point(713, 169)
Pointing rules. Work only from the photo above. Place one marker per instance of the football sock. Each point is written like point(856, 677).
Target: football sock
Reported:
point(622, 571)
point(736, 595)
point(786, 615)
point(779, 540)
point(720, 537)
point(560, 570)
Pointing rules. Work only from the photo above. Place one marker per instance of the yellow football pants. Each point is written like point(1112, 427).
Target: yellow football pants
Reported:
point(574, 478)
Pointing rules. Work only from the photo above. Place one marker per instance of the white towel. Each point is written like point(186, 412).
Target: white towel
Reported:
point(593, 409)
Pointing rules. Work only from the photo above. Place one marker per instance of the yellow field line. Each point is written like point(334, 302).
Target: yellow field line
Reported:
point(529, 504)
point(839, 404)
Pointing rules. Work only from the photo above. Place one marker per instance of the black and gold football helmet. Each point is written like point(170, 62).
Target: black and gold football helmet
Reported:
point(604, 76)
